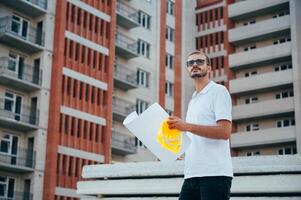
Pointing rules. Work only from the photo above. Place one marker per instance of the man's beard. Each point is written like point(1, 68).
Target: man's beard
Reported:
point(198, 75)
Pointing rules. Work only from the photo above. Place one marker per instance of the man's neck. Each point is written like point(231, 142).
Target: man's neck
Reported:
point(201, 83)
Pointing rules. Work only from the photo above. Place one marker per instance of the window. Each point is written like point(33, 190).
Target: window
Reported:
point(138, 143)
point(142, 78)
point(284, 94)
point(12, 103)
point(5, 144)
point(19, 26)
point(282, 40)
point(281, 14)
point(283, 67)
point(169, 34)
point(252, 73)
point(253, 153)
point(170, 7)
point(143, 48)
point(287, 151)
point(16, 64)
point(169, 61)
point(246, 23)
point(9, 146)
point(285, 122)
point(7, 187)
point(169, 88)
point(247, 48)
point(252, 127)
point(141, 106)
point(251, 100)
point(144, 20)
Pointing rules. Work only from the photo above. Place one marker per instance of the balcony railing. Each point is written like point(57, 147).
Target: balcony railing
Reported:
point(125, 46)
point(121, 108)
point(27, 75)
point(261, 82)
point(39, 3)
point(125, 78)
point(263, 137)
point(11, 34)
point(33, 8)
point(123, 144)
point(26, 115)
point(23, 158)
point(126, 16)
point(18, 196)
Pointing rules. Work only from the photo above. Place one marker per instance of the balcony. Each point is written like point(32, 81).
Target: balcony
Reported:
point(265, 55)
point(251, 8)
point(121, 108)
point(25, 120)
point(261, 82)
point(25, 78)
point(23, 161)
point(125, 46)
point(125, 78)
point(30, 40)
point(33, 8)
point(264, 109)
point(18, 196)
point(122, 144)
point(127, 16)
point(263, 137)
point(260, 31)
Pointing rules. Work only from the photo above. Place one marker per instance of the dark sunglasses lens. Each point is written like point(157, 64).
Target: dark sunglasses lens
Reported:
point(198, 62)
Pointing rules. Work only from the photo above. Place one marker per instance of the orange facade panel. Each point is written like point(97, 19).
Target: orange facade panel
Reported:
point(71, 131)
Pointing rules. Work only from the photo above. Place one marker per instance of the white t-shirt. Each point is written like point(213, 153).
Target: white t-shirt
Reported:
point(205, 156)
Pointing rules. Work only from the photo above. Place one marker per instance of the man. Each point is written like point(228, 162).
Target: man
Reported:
point(208, 167)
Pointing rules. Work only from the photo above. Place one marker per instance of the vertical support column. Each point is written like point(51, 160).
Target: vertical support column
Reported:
point(178, 61)
point(50, 175)
point(162, 53)
point(296, 61)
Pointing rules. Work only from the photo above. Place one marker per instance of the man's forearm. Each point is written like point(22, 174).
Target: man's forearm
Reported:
point(214, 131)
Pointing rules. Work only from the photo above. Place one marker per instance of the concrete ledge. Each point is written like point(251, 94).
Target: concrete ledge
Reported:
point(256, 178)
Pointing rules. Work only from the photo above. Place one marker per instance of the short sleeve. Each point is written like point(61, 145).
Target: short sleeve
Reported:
point(223, 105)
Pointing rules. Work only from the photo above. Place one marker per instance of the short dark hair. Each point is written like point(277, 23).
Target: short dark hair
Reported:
point(201, 53)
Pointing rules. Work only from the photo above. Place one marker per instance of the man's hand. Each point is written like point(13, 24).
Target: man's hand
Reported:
point(177, 123)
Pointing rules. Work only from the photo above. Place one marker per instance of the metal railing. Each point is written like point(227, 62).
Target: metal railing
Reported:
point(26, 115)
point(23, 158)
point(18, 196)
point(122, 141)
point(40, 3)
point(126, 42)
point(28, 75)
point(6, 26)
point(123, 107)
point(125, 74)
point(127, 11)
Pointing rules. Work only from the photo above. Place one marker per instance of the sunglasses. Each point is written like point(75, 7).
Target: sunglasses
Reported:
point(190, 63)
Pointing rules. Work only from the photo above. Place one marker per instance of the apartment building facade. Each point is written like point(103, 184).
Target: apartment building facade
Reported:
point(261, 64)
point(81, 93)
point(26, 48)
point(266, 63)
point(148, 68)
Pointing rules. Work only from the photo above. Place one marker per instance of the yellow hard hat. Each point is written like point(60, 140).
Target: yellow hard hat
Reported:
point(170, 139)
